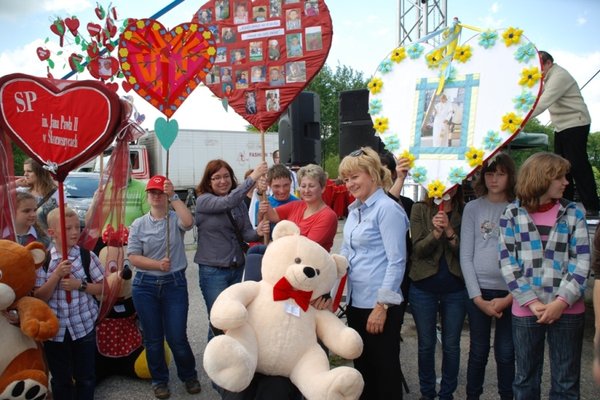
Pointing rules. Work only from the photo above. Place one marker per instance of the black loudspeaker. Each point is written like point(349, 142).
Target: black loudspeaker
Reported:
point(300, 131)
point(356, 126)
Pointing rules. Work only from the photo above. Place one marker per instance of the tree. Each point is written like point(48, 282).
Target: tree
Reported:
point(328, 84)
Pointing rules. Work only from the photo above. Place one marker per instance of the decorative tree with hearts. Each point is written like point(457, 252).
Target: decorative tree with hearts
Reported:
point(451, 107)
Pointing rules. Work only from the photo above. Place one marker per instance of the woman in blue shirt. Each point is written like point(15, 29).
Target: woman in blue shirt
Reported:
point(375, 246)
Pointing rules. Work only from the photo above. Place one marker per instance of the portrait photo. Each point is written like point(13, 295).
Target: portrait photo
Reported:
point(295, 72)
point(293, 44)
point(272, 100)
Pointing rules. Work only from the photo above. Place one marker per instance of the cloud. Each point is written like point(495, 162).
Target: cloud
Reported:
point(581, 20)
point(13, 9)
point(495, 8)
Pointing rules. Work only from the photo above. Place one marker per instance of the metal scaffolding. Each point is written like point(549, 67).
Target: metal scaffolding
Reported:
point(417, 18)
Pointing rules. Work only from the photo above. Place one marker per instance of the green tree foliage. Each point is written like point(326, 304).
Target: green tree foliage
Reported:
point(18, 158)
point(328, 84)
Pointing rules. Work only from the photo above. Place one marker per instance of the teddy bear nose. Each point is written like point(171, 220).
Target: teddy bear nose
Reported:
point(311, 272)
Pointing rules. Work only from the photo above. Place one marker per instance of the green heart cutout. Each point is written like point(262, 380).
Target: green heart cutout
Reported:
point(166, 131)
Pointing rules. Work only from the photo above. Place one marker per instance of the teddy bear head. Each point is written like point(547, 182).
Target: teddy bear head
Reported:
point(17, 270)
point(304, 263)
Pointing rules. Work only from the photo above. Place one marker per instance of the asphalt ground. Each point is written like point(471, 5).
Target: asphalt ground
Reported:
point(136, 389)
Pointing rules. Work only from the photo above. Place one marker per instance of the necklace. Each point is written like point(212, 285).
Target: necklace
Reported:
point(547, 206)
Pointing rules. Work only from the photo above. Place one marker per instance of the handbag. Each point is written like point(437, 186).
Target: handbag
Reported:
point(243, 245)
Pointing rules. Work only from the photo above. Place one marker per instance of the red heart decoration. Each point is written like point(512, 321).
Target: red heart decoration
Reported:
point(43, 54)
point(103, 68)
point(267, 52)
point(58, 27)
point(75, 61)
point(100, 13)
point(164, 67)
point(72, 24)
point(126, 86)
point(111, 27)
point(94, 29)
point(92, 49)
point(112, 86)
point(58, 123)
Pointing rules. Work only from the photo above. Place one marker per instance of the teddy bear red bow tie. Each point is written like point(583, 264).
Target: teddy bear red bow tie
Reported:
point(283, 290)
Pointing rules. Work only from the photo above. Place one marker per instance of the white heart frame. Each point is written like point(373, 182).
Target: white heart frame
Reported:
point(491, 86)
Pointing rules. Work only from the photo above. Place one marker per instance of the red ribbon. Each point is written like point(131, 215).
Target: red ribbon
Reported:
point(283, 290)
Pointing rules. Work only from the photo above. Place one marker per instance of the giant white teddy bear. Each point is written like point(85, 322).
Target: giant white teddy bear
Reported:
point(270, 327)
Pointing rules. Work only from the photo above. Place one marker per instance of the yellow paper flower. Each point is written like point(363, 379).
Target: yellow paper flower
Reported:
point(211, 51)
point(125, 66)
point(436, 189)
point(434, 58)
point(123, 52)
point(380, 125)
point(140, 24)
point(410, 157)
point(207, 34)
point(512, 36)
point(530, 76)
point(178, 30)
point(398, 54)
point(375, 85)
point(127, 34)
point(156, 26)
point(132, 80)
point(474, 157)
point(194, 28)
point(511, 122)
point(462, 53)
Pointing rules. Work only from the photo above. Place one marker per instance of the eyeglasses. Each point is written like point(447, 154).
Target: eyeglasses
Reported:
point(357, 153)
point(220, 178)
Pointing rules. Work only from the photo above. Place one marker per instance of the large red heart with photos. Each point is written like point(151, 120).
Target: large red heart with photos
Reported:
point(267, 52)
point(165, 66)
point(61, 124)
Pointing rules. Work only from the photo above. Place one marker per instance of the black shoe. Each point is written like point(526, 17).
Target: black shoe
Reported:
point(193, 386)
point(161, 391)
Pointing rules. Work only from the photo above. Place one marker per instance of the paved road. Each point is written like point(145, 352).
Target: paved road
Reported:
point(132, 389)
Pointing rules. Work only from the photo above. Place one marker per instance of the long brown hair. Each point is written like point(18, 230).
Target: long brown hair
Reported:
point(501, 163)
point(44, 182)
point(212, 168)
point(536, 175)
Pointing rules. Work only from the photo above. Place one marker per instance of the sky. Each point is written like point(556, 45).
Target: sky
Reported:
point(365, 32)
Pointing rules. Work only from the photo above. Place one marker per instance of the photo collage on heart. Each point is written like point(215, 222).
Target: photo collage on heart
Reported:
point(262, 49)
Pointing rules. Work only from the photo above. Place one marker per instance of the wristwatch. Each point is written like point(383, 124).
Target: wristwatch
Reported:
point(83, 286)
point(384, 305)
point(174, 197)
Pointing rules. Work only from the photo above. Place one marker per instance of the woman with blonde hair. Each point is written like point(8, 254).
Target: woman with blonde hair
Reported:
point(375, 246)
point(545, 261)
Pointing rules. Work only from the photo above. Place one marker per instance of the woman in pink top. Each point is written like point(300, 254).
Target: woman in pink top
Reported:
point(316, 220)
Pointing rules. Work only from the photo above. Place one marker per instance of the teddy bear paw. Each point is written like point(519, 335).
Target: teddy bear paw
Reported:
point(347, 384)
point(26, 389)
point(228, 363)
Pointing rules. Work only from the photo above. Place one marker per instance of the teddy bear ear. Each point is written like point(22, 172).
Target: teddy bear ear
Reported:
point(285, 228)
point(38, 252)
point(341, 263)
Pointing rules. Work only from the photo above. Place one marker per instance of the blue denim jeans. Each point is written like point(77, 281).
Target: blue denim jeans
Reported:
point(213, 280)
point(480, 330)
point(72, 364)
point(565, 338)
point(452, 307)
point(162, 307)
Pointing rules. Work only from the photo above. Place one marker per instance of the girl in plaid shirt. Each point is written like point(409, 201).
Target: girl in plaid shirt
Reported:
point(545, 259)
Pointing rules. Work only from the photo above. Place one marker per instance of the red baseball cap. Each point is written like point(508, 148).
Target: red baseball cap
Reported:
point(157, 182)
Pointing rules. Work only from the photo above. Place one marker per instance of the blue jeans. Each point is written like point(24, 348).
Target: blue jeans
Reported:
point(162, 307)
point(565, 338)
point(480, 330)
point(72, 364)
point(213, 280)
point(452, 307)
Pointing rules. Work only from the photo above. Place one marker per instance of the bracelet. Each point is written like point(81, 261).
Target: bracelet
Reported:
point(451, 238)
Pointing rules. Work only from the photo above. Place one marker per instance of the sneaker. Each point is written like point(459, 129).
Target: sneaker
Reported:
point(193, 386)
point(161, 391)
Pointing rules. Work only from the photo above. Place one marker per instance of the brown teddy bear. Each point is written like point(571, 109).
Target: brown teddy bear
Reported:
point(24, 321)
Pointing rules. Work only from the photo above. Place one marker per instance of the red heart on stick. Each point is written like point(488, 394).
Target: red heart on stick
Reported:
point(267, 52)
point(43, 54)
point(103, 68)
point(75, 61)
point(94, 29)
point(163, 66)
point(58, 123)
point(72, 24)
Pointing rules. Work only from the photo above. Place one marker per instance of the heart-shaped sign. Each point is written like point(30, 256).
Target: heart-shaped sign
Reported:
point(267, 52)
point(164, 66)
point(103, 68)
point(72, 24)
point(43, 54)
point(94, 29)
point(166, 131)
point(60, 124)
point(449, 129)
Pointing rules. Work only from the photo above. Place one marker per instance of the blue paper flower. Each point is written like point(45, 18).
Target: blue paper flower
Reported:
point(525, 53)
point(385, 66)
point(419, 174)
point(488, 39)
point(524, 101)
point(415, 51)
point(391, 141)
point(457, 175)
point(492, 140)
point(375, 106)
